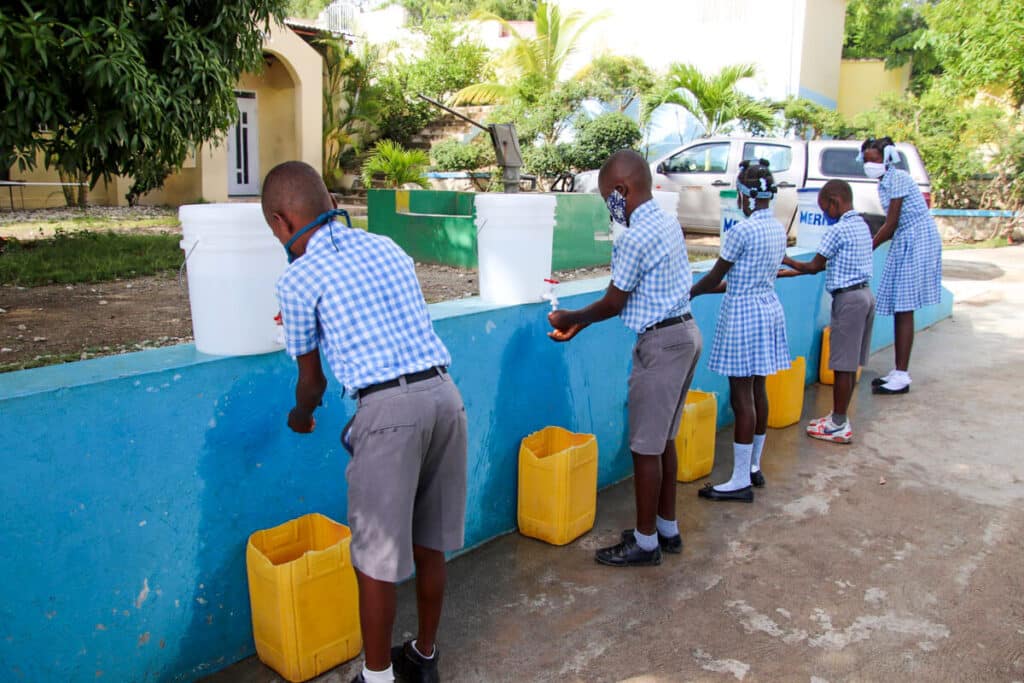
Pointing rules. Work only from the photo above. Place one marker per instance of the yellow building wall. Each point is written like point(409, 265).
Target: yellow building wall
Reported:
point(289, 126)
point(822, 50)
point(863, 81)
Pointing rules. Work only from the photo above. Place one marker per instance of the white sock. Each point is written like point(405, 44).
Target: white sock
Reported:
point(385, 676)
point(741, 453)
point(646, 542)
point(421, 654)
point(755, 457)
point(897, 379)
point(668, 528)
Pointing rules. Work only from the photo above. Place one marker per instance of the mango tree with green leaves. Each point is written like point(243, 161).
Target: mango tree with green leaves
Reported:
point(123, 87)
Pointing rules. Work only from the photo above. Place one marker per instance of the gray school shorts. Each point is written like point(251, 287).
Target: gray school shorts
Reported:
point(663, 364)
point(853, 315)
point(407, 476)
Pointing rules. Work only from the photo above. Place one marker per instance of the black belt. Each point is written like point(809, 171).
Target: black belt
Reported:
point(851, 288)
point(397, 382)
point(668, 322)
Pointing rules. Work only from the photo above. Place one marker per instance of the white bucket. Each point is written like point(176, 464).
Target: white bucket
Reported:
point(731, 214)
point(514, 239)
point(233, 262)
point(668, 201)
point(812, 223)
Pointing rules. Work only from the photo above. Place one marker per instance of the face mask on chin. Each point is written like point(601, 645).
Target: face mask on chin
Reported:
point(874, 170)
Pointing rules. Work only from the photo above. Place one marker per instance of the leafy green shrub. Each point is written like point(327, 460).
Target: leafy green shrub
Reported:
point(455, 155)
point(598, 139)
point(547, 161)
point(398, 165)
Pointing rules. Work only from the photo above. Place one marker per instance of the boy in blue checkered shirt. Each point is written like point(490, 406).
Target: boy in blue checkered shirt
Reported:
point(650, 290)
point(845, 255)
point(354, 296)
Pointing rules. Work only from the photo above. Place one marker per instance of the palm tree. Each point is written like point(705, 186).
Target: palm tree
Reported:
point(534, 63)
point(713, 100)
point(398, 165)
point(351, 104)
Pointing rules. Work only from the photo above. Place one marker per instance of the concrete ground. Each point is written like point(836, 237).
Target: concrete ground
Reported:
point(899, 557)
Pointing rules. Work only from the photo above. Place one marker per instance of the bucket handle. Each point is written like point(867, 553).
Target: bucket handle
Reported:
point(181, 268)
point(480, 229)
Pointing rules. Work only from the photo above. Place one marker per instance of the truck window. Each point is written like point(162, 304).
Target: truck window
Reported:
point(842, 162)
point(710, 158)
point(780, 157)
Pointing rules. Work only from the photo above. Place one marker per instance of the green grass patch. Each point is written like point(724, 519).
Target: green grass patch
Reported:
point(984, 244)
point(73, 257)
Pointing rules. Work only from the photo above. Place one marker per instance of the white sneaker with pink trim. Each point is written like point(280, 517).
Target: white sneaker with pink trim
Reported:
point(826, 430)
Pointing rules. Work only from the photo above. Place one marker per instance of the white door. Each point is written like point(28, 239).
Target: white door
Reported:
point(243, 148)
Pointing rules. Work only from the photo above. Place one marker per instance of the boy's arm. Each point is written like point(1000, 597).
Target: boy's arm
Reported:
point(714, 281)
point(568, 324)
point(309, 391)
point(815, 265)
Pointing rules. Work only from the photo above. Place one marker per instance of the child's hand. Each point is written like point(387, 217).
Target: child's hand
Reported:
point(566, 335)
point(301, 424)
point(785, 272)
point(565, 328)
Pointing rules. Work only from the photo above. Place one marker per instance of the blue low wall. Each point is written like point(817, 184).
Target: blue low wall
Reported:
point(131, 483)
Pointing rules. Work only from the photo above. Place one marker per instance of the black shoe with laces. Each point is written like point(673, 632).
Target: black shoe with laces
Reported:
point(628, 554)
point(668, 544)
point(412, 667)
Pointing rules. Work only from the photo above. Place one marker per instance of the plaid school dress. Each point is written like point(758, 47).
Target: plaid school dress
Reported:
point(912, 277)
point(750, 337)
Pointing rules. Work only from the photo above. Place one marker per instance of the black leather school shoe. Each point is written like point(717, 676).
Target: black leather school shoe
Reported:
point(743, 495)
point(668, 544)
point(628, 554)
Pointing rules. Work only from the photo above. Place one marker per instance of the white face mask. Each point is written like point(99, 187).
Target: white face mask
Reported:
point(874, 169)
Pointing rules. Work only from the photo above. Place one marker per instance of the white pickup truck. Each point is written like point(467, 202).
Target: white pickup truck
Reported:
point(699, 170)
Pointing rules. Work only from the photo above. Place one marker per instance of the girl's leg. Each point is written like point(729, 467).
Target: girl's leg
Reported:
point(741, 392)
point(760, 426)
point(741, 396)
point(904, 328)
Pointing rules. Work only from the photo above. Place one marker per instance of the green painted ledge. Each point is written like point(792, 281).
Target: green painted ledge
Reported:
point(436, 226)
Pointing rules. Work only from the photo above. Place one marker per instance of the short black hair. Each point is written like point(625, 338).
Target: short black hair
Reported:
point(753, 171)
point(840, 189)
point(876, 143)
point(296, 187)
point(627, 163)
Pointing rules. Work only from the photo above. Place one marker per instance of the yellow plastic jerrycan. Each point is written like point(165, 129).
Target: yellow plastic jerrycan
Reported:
point(695, 442)
point(557, 485)
point(786, 394)
point(825, 374)
point(305, 604)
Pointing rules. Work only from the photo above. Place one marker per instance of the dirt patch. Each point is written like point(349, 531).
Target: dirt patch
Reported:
point(63, 323)
point(60, 323)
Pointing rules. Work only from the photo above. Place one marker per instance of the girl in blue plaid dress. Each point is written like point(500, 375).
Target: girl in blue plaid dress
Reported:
point(750, 337)
point(912, 277)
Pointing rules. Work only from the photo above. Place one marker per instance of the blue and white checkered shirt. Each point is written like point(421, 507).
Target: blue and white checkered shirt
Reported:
point(847, 246)
point(755, 247)
point(358, 300)
point(649, 261)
